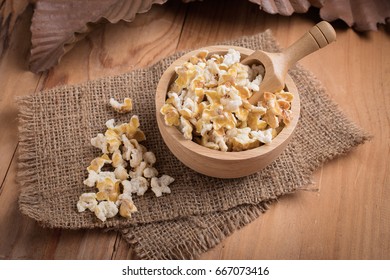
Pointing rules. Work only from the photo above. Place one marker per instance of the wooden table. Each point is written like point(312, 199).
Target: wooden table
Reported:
point(347, 218)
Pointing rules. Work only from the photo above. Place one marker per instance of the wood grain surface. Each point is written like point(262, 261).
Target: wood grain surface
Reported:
point(344, 214)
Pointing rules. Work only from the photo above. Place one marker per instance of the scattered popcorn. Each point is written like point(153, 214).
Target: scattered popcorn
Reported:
point(138, 185)
point(98, 163)
point(210, 97)
point(105, 209)
point(129, 159)
point(127, 206)
point(124, 107)
point(160, 185)
point(87, 201)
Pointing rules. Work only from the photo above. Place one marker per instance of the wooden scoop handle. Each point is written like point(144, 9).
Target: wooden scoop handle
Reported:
point(319, 36)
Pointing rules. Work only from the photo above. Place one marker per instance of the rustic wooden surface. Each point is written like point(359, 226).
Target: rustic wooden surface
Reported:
point(347, 218)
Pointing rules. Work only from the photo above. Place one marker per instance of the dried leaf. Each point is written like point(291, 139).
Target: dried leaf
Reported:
point(10, 10)
point(362, 15)
point(58, 25)
point(287, 7)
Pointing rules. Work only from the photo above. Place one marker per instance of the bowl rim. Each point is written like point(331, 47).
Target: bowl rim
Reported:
point(161, 93)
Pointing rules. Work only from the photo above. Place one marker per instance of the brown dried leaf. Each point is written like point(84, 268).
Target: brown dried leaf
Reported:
point(362, 15)
point(58, 25)
point(287, 7)
point(10, 10)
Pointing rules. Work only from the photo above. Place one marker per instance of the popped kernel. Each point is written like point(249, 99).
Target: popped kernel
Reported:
point(105, 209)
point(210, 97)
point(124, 107)
point(87, 201)
point(160, 185)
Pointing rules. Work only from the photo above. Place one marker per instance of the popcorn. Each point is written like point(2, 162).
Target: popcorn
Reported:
point(121, 173)
point(127, 206)
point(105, 209)
point(150, 172)
point(108, 189)
point(138, 185)
point(124, 107)
point(129, 158)
point(100, 142)
point(160, 185)
point(87, 201)
point(98, 163)
point(210, 97)
point(94, 177)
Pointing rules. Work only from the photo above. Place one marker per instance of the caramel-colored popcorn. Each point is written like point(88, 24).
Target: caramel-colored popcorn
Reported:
point(108, 189)
point(124, 107)
point(98, 163)
point(210, 97)
point(127, 206)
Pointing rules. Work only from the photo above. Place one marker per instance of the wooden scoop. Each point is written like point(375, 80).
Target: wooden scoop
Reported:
point(277, 64)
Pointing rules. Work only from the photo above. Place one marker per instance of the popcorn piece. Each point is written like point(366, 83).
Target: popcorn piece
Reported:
point(171, 115)
point(232, 57)
point(242, 141)
point(121, 173)
point(160, 185)
point(98, 163)
point(150, 172)
point(100, 142)
point(149, 158)
point(135, 157)
point(105, 209)
point(138, 185)
point(87, 201)
point(108, 189)
point(113, 140)
point(264, 136)
point(117, 159)
point(186, 128)
point(124, 107)
point(127, 207)
point(94, 177)
point(138, 170)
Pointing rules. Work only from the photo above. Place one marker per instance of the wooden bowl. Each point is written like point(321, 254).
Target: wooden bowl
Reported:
point(217, 163)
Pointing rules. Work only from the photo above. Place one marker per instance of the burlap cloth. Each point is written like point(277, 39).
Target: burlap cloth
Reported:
point(55, 131)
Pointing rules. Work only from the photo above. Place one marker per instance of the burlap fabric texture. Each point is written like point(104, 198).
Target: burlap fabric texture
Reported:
point(55, 131)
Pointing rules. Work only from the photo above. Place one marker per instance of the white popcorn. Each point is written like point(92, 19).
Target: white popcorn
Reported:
point(105, 209)
point(137, 185)
point(100, 142)
point(127, 148)
point(232, 57)
point(94, 177)
point(110, 124)
point(121, 173)
point(150, 172)
point(135, 157)
point(149, 158)
point(230, 99)
point(138, 171)
point(264, 136)
point(87, 201)
point(160, 185)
